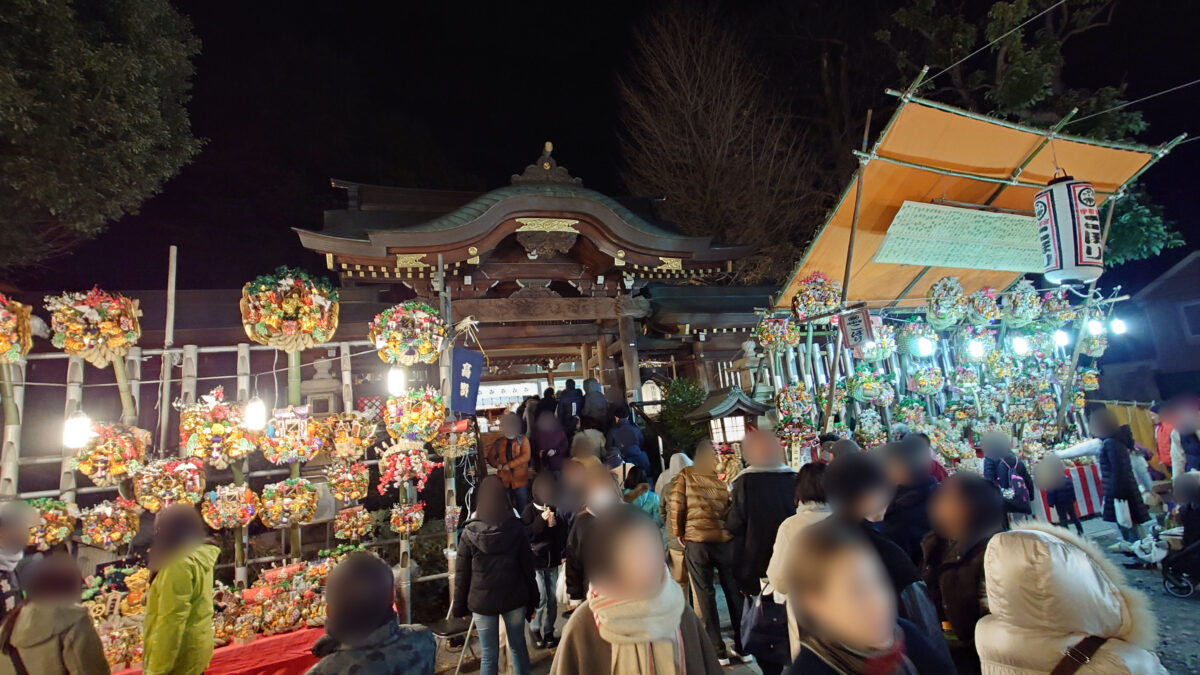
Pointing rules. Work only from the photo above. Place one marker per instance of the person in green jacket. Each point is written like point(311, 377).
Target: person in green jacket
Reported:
point(178, 625)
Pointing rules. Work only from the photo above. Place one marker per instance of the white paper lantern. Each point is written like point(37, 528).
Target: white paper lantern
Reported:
point(1070, 231)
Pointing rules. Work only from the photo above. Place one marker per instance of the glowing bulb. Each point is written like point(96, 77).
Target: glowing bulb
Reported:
point(1095, 327)
point(1061, 338)
point(869, 345)
point(77, 430)
point(255, 417)
point(1118, 327)
point(1020, 345)
point(924, 346)
point(975, 349)
point(395, 381)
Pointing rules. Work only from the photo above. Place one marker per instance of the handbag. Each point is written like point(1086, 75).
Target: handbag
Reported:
point(764, 628)
point(1121, 510)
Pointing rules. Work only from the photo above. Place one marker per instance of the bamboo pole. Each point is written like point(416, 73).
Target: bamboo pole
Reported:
point(128, 408)
point(294, 400)
point(10, 458)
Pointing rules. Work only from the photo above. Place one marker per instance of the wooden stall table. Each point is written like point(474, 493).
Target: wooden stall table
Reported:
point(1089, 496)
point(285, 654)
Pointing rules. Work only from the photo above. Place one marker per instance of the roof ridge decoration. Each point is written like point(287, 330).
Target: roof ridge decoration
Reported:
point(545, 170)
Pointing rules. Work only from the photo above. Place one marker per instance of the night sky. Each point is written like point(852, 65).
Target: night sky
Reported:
point(461, 95)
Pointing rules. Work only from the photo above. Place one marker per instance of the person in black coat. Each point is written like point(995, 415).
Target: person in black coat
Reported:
point(600, 493)
point(907, 519)
point(966, 511)
point(1116, 472)
point(1002, 467)
point(495, 576)
point(547, 403)
point(548, 537)
point(570, 407)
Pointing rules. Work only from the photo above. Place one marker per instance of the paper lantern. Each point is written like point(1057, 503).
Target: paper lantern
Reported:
point(1070, 231)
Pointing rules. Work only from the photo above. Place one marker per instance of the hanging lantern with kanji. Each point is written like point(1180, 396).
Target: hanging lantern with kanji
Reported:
point(1070, 232)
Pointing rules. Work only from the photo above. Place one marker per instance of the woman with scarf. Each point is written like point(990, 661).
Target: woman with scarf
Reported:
point(965, 512)
point(846, 610)
point(178, 625)
point(636, 620)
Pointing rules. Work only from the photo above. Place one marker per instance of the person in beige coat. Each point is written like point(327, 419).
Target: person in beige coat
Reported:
point(811, 508)
point(1048, 590)
point(51, 633)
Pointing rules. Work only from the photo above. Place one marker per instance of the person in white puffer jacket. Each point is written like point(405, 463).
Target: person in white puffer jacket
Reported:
point(1049, 589)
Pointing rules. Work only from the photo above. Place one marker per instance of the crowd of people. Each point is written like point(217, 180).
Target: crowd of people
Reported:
point(870, 561)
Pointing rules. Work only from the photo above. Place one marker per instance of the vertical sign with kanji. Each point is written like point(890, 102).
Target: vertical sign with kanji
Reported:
point(856, 328)
point(468, 368)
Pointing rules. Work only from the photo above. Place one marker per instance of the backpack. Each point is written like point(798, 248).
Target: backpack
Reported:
point(1016, 483)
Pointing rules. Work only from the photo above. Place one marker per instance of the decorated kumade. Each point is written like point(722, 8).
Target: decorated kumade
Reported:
point(407, 519)
point(97, 326)
point(999, 365)
point(910, 411)
point(230, 506)
point(866, 386)
point(1022, 305)
point(54, 524)
point(113, 453)
point(347, 482)
point(777, 333)
point(211, 431)
point(292, 436)
point(917, 338)
point(16, 332)
point(926, 379)
point(415, 418)
point(1089, 379)
point(455, 439)
point(169, 481)
point(970, 336)
point(839, 395)
point(350, 434)
point(945, 304)
point(289, 310)
point(110, 524)
point(1057, 309)
point(870, 431)
point(817, 294)
point(400, 464)
point(883, 346)
point(411, 332)
point(982, 308)
point(1062, 373)
point(1095, 345)
point(966, 379)
point(353, 523)
point(287, 503)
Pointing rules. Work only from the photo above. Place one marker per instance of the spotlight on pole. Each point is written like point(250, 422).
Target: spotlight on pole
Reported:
point(1020, 345)
point(924, 346)
point(1061, 338)
point(975, 349)
point(395, 381)
point(77, 430)
point(1095, 327)
point(1118, 327)
point(255, 417)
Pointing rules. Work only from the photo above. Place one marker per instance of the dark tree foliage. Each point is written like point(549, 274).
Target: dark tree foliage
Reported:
point(92, 117)
point(681, 397)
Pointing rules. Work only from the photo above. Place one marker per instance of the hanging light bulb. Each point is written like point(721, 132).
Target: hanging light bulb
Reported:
point(1095, 327)
point(1061, 338)
point(1118, 327)
point(975, 349)
point(1020, 345)
point(924, 346)
point(77, 430)
point(395, 381)
point(255, 417)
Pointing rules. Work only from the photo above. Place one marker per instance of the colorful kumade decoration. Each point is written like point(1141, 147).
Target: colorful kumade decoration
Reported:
point(411, 332)
point(110, 524)
point(1089, 379)
point(1095, 345)
point(353, 523)
point(908, 339)
point(883, 346)
point(97, 326)
point(816, 295)
point(839, 395)
point(910, 411)
point(455, 439)
point(986, 339)
point(794, 400)
point(927, 379)
point(982, 308)
point(945, 304)
point(347, 482)
point(230, 506)
point(870, 431)
point(169, 481)
point(287, 503)
point(415, 418)
point(777, 333)
point(289, 310)
point(54, 525)
point(865, 386)
point(966, 379)
point(401, 464)
point(292, 436)
point(211, 431)
point(1000, 365)
point(1057, 309)
point(1022, 305)
point(407, 519)
point(16, 331)
point(113, 453)
point(350, 434)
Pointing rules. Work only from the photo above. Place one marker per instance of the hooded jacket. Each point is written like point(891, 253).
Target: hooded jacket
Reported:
point(760, 500)
point(662, 488)
point(953, 574)
point(178, 627)
point(55, 639)
point(570, 407)
point(698, 505)
point(907, 518)
point(494, 569)
point(1047, 589)
point(548, 543)
point(595, 405)
point(1116, 477)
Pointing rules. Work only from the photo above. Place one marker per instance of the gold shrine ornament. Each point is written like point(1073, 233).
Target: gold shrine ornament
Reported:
point(547, 225)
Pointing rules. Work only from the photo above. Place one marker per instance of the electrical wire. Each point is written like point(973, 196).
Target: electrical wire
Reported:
point(1129, 103)
point(1017, 28)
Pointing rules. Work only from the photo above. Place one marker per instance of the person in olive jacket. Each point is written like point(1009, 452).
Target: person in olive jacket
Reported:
point(495, 577)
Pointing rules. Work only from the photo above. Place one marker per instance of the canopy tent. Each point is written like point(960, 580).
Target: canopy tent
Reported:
point(930, 153)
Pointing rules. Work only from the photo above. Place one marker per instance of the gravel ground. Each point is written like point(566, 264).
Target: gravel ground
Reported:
point(1179, 631)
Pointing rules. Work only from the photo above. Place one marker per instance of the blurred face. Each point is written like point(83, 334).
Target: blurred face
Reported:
point(948, 512)
point(761, 449)
point(510, 425)
point(874, 504)
point(856, 605)
point(13, 538)
point(546, 422)
point(705, 460)
point(638, 568)
point(897, 473)
point(995, 445)
point(601, 491)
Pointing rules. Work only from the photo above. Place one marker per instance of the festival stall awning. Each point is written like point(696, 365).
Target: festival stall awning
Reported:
point(969, 183)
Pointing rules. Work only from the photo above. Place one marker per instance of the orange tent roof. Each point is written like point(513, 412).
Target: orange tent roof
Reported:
point(931, 151)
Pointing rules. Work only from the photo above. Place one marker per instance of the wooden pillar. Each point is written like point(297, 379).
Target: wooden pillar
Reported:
point(701, 363)
point(608, 368)
point(585, 359)
point(629, 358)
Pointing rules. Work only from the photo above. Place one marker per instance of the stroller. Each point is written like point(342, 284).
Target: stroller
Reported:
point(1181, 571)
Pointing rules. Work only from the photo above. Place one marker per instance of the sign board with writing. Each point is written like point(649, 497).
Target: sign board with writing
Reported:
point(936, 235)
point(856, 328)
point(467, 369)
